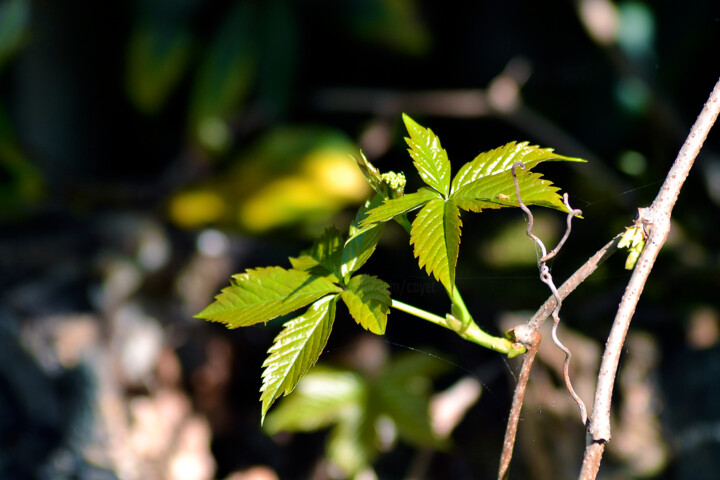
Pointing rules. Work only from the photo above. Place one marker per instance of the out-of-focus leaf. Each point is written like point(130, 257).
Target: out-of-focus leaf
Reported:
point(368, 300)
point(263, 294)
point(296, 349)
point(157, 58)
point(352, 445)
point(396, 24)
point(355, 406)
point(279, 53)
point(323, 397)
point(508, 246)
point(430, 159)
point(225, 76)
point(14, 22)
point(435, 236)
point(21, 184)
point(404, 391)
point(291, 176)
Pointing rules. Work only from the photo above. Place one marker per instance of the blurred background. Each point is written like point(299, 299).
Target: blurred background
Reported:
point(150, 149)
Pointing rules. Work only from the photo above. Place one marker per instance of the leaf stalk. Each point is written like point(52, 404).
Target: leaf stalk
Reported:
point(468, 330)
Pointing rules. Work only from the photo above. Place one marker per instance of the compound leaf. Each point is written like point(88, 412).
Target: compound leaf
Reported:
point(429, 157)
point(296, 348)
point(396, 206)
point(435, 236)
point(368, 300)
point(501, 159)
point(265, 293)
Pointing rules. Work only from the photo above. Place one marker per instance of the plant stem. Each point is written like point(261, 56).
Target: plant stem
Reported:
point(469, 331)
point(420, 313)
point(459, 309)
point(656, 219)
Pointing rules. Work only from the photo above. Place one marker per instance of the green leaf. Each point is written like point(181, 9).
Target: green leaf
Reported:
point(296, 348)
point(157, 58)
point(352, 444)
point(396, 206)
point(429, 157)
point(324, 396)
point(368, 300)
point(265, 293)
point(404, 390)
point(362, 242)
point(14, 26)
point(225, 76)
point(498, 191)
point(328, 249)
point(501, 159)
point(371, 174)
point(435, 236)
point(278, 58)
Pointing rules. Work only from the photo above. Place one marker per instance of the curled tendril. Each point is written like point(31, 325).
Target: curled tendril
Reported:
point(547, 279)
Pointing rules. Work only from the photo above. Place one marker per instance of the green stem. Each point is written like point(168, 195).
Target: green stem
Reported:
point(420, 313)
point(467, 330)
point(459, 309)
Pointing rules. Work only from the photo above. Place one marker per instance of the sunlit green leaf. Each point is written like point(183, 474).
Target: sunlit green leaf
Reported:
point(429, 157)
point(323, 396)
point(265, 293)
point(296, 348)
point(502, 159)
point(368, 300)
point(327, 250)
point(498, 191)
point(371, 174)
point(395, 206)
point(435, 236)
point(362, 242)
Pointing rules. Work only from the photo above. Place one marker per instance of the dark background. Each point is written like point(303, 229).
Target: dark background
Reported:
point(132, 132)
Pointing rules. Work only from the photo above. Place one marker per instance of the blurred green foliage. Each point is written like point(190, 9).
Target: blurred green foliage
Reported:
point(289, 176)
point(365, 413)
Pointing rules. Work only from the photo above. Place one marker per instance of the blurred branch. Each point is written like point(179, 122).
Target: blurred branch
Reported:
point(502, 99)
point(656, 221)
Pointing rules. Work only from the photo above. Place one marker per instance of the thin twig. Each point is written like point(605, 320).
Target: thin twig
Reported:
point(656, 221)
point(532, 345)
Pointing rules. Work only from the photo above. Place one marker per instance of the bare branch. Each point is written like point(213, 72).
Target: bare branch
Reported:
point(532, 345)
point(656, 221)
